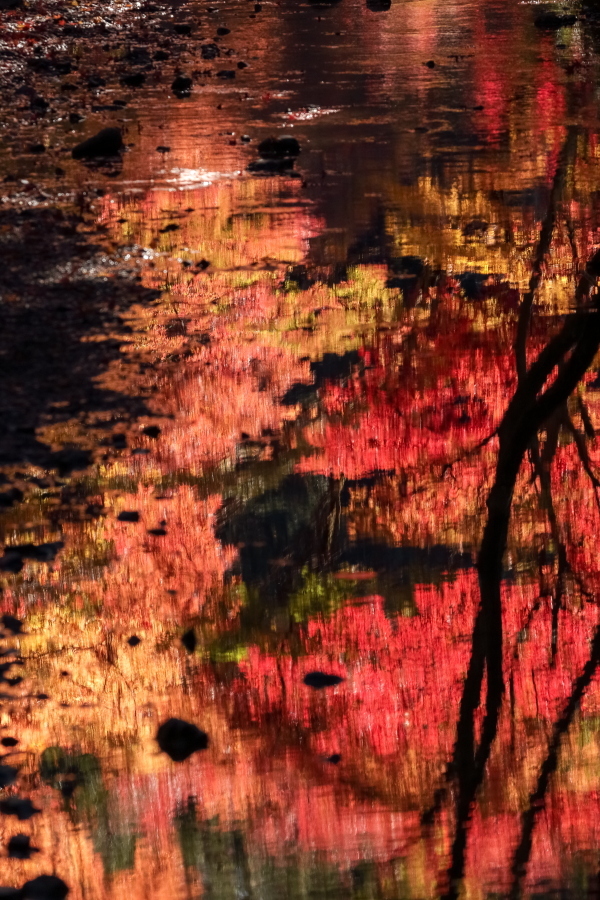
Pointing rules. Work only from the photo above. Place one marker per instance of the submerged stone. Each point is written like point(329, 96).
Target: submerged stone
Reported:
point(318, 680)
point(107, 142)
point(20, 847)
point(45, 887)
point(279, 147)
point(179, 739)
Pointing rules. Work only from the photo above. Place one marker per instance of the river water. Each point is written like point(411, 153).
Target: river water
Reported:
point(323, 364)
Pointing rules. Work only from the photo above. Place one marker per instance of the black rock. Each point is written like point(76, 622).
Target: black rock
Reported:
point(136, 79)
point(226, 73)
point(379, 5)
point(210, 51)
point(430, 64)
point(9, 742)
point(8, 775)
point(19, 847)
point(182, 86)
point(189, 640)
point(108, 142)
point(11, 624)
point(134, 640)
point(10, 497)
point(161, 55)
point(151, 431)
point(36, 148)
point(162, 148)
point(129, 515)
point(271, 166)
point(75, 117)
point(157, 532)
point(283, 147)
point(222, 31)
point(318, 680)
point(11, 562)
point(70, 459)
point(9, 893)
point(182, 28)
point(39, 552)
point(45, 887)
point(17, 806)
point(335, 758)
point(179, 739)
point(554, 20)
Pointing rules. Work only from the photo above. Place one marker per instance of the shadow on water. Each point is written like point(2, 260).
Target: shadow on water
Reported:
point(61, 328)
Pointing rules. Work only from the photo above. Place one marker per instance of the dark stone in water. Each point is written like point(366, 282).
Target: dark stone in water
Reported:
point(134, 640)
point(179, 739)
point(151, 431)
point(9, 742)
point(318, 680)
point(45, 887)
point(19, 847)
point(222, 31)
point(182, 86)
point(379, 5)
point(210, 51)
point(129, 515)
point(17, 806)
point(8, 775)
point(335, 758)
point(279, 147)
point(8, 498)
point(553, 19)
point(136, 79)
point(108, 142)
point(189, 640)
point(226, 73)
point(11, 624)
point(182, 28)
point(157, 532)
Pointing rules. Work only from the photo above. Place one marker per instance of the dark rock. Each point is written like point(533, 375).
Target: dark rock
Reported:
point(554, 20)
point(11, 624)
point(151, 431)
point(202, 264)
point(242, 65)
point(71, 459)
point(172, 226)
point(226, 73)
point(222, 31)
point(11, 562)
point(18, 806)
point(163, 149)
point(19, 847)
point(119, 441)
point(189, 640)
point(108, 142)
point(45, 887)
point(10, 497)
point(430, 64)
point(245, 139)
point(182, 86)
point(182, 28)
point(129, 515)
point(210, 51)
point(161, 55)
point(379, 5)
point(319, 680)
point(38, 552)
point(9, 893)
point(283, 147)
point(271, 166)
point(8, 775)
point(335, 758)
point(9, 742)
point(136, 79)
point(157, 532)
point(96, 81)
point(134, 640)
point(179, 739)
point(36, 148)
point(75, 117)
